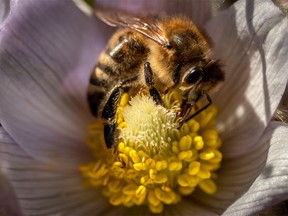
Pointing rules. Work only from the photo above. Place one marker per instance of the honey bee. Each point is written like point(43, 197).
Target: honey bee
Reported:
point(168, 53)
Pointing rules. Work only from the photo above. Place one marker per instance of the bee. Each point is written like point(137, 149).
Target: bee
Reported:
point(159, 55)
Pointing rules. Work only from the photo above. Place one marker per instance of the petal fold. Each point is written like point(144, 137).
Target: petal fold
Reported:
point(270, 187)
point(251, 39)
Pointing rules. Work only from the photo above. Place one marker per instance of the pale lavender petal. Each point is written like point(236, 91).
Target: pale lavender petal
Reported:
point(4, 10)
point(44, 189)
point(8, 201)
point(270, 187)
point(251, 39)
point(198, 11)
point(47, 52)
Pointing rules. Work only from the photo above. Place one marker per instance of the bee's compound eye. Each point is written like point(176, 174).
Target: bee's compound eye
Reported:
point(195, 74)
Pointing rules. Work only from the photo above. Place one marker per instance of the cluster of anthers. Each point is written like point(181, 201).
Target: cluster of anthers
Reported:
point(157, 163)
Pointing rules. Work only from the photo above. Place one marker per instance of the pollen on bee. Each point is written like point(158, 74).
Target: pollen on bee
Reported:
point(162, 163)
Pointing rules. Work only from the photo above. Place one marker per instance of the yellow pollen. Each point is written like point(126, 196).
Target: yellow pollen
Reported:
point(155, 163)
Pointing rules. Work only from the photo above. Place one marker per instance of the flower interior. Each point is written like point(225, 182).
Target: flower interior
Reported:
point(155, 163)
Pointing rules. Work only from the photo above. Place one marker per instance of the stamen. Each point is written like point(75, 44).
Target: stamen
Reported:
point(157, 164)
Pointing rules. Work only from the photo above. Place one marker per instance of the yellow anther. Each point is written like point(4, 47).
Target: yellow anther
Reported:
point(131, 173)
point(124, 99)
point(175, 166)
point(114, 186)
point(183, 180)
point(175, 149)
point(206, 119)
point(185, 155)
point(185, 191)
point(206, 155)
point(150, 163)
point(208, 185)
point(160, 165)
point(166, 188)
point(122, 125)
point(186, 180)
point(152, 198)
point(126, 150)
point(204, 173)
point(198, 142)
point(217, 158)
point(145, 180)
point(134, 156)
point(142, 154)
point(194, 167)
point(152, 173)
point(117, 165)
point(169, 197)
point(116, 199)
point(159, 194)
point(185, 129)
point(101, 171)
point(161, 178)
point(185, 143)
point(141, 191)
point(121, 147)
point(130, 189)
point(210, 166)
point(194, 125)
point(210, 137)
point(124, 158)
point(139, 166)
point(127, 200)
point(156, 209)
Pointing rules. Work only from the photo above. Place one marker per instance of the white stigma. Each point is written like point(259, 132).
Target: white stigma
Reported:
point(149, 127)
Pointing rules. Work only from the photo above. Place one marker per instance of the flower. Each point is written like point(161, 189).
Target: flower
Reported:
point(47, 50)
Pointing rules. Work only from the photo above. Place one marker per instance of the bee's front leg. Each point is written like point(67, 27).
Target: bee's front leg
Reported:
point(150, 83)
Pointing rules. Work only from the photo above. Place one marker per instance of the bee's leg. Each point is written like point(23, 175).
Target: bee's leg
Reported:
point(202, 109)
point(150, 83)
point(109, 113)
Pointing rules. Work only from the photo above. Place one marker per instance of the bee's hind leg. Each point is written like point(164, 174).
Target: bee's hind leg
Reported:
point(109, 112)
point(150, 83)
point(109, 116)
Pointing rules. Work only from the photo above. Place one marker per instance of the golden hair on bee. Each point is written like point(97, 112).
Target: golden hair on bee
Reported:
point(157, 55)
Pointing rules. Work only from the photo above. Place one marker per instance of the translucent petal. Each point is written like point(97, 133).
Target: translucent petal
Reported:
point(238, 174)
point(270, 187)
point(251, 39)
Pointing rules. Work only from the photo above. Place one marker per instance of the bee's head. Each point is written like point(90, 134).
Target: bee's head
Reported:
point(197, 81)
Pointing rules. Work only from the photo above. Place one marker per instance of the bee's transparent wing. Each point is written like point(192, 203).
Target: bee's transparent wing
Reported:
point(118, 19)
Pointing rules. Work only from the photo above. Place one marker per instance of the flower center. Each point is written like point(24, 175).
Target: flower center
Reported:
point(156, 164)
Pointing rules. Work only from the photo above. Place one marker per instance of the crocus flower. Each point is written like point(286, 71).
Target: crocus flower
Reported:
point(47, 51)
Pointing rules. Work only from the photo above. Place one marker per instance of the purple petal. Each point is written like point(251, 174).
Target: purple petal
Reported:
point(44, 189)
point(4, 10)
point(8, 202)
point(47, 51)
point(251, 39)
point(198, 11)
